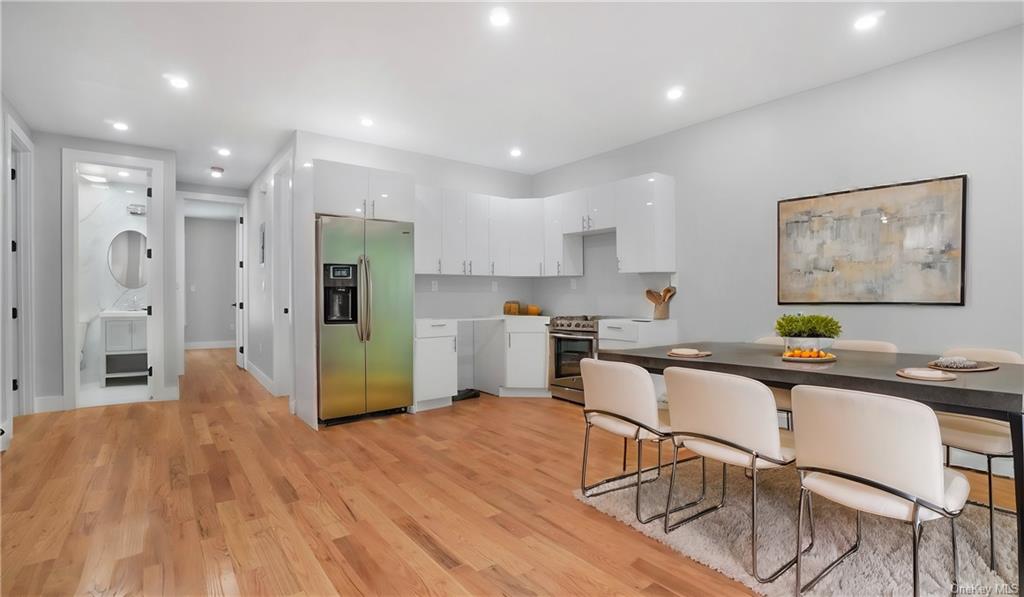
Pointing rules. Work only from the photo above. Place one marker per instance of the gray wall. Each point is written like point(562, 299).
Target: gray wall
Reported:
point(953, 111)
point(209, 280)
point(260, 277)
point(46, 259)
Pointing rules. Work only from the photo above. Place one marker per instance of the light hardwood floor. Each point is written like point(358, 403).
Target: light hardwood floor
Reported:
point(223, 492)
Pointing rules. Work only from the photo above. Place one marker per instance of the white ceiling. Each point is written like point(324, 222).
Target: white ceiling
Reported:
point(213, 210)
point(563, 81)
point(113, 174)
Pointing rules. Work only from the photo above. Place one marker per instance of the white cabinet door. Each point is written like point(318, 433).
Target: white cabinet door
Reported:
point(526, 225)
point(453, 251)
point(600, 207)
point(478, 234)
point(499, 239)
point(634, 232)
point(429, 231)
point(664, 223)
point(574, 212)
point(435, 370)
point(340, 189)
point(391, 196)
point(118, 334)
point(139, 334)
point(526, 359)
point(553, 235)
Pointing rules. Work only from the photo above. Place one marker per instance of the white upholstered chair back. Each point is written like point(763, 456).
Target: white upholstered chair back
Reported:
point(772, 340)
point(729, 407)
point(996, 355)
point(889, 440)
point(620, 388)
point(865, 345)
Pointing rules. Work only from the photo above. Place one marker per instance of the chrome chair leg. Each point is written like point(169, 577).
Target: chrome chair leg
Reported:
point(916, 526)
point(721, 502)
point(753, 534)
point(640, 482)
point(956, 558)
point(625, 443)
point(671, 485)
point(991, 521)
point(588, 490)
point(849, 552)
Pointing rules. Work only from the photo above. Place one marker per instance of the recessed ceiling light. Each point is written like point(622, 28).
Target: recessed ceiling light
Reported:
point(515, 152)
point(307, 165)
point(94, 178)
point(224, 151)
point(123, 173)
point(384, 195)
point(650, 180)
point(120, 126)
point(130, 192)
point(500, 17)
point(650, 203)
point(868, 21)
point(366, 121)
point(359, 210)
point(176, 81)
point(674, 93)
point(216, 171)
point(100, 186)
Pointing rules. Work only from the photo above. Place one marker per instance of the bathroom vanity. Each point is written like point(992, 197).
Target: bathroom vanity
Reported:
point(123, 338)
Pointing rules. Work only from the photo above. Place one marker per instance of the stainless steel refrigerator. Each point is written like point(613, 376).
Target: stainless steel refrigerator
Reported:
point(365, 325)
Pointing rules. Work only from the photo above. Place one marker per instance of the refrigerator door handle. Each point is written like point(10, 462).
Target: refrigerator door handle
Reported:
point(360, 304)
point(368, 312)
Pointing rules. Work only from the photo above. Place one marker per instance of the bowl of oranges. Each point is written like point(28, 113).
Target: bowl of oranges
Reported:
point(808, 356)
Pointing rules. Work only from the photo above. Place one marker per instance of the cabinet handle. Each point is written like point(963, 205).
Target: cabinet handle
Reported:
point(509, 339)
point(540, 268)
point(558, 268)
point(455, 344)
point(471, 267)
point(438, 265)
point(373, 206)
point(439, 325)
point(590, 224)
point(492, 268)
point(583, 223)
point(615, 327)
point(463, 268)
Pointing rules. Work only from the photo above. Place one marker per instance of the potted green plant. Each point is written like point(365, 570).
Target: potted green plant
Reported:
point(808, 332)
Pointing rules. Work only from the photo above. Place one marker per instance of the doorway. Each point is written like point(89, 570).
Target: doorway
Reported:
point(112, 278)
point(212, 300)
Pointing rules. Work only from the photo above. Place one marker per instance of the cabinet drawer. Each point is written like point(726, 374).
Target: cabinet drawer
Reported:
point(436, 328)
point(627, 331)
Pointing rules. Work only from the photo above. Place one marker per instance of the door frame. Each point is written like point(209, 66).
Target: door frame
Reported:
point(241, 332)
point(69, 265)
point(17, 155)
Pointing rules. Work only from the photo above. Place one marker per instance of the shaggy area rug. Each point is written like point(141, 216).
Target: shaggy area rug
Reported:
point(721, 540)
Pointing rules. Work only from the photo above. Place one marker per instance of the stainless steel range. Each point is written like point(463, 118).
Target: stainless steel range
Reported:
point(571, 338)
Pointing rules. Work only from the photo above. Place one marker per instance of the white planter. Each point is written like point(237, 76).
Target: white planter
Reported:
point(809, 343)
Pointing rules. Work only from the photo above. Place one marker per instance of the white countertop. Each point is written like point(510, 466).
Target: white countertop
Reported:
point(114, 314)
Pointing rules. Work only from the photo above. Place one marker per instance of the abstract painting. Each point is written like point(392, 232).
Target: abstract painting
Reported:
point(894, 244)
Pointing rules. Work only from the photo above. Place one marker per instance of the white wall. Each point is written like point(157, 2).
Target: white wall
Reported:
point(953, 111)
point(427, 170)
point(46, 260)
point(209, 282)
point(259, 305)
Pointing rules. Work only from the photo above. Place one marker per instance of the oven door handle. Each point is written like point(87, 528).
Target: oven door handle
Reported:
point(590, 339)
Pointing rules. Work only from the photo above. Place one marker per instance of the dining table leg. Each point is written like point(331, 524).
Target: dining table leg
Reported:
point(1017, 437)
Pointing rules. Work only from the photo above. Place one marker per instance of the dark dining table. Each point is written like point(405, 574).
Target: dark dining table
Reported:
point(997, 394)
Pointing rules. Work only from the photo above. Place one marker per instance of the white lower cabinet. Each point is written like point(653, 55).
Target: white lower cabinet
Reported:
point(436, 364)
point(125, 356)
point(526, 363)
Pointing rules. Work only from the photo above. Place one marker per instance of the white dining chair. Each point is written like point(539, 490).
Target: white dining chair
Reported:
point(620, 398)
point(865, 345)
point(783, 401)
point(988, 437)
point(732, 420)
point(876, 454)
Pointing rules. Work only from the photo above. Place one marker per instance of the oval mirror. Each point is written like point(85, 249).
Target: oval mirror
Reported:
point(126, 258)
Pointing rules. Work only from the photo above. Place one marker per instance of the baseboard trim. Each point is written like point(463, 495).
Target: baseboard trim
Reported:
point(504, 392)
point(425, 405)
point(46, 404)
point(208, 345)
point(260, 376)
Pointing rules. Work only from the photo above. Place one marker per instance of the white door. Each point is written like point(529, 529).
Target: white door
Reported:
point(499, 239)
point(453, 244)
point(240, 293)
point(526, 360)
point(478, 223)
point(429, 232)
point(553, 235)
point(436, 368)
point(340, 189)
point(12, 380)
point(600, 203)
point(391, 196)
point(526, 219)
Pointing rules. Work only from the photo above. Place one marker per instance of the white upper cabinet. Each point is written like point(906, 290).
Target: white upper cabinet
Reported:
point(645, 223)
point(391, 196)
point(340, 189)
point(499, 237)
point(574, 212)
point(429, 231)
point(600, 207)
point(563, 255)
point(526, 228)
point(478, 260)
point(453, 246)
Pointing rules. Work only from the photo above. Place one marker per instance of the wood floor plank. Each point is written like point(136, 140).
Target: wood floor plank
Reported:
point(223, 492)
